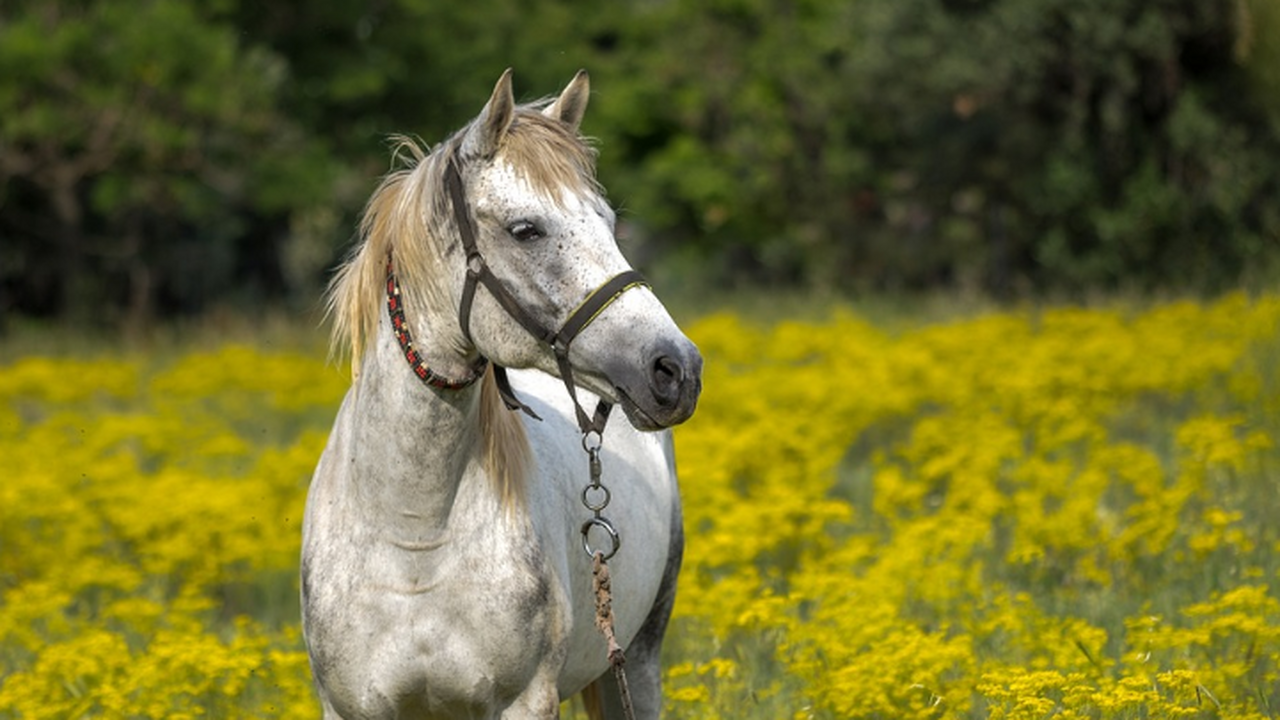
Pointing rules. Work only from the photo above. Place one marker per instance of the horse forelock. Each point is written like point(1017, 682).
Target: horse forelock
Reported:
point(549, 155)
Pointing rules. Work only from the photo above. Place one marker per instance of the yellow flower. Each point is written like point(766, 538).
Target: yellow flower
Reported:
point(1059, 512)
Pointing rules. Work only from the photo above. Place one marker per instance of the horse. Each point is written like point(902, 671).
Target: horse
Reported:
point(443, 572)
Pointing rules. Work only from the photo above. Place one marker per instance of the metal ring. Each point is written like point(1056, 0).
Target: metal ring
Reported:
point(592, 447)
point(604, 502)
point(608, 527)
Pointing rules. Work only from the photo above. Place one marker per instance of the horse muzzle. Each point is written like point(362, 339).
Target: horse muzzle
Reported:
point(665, 390)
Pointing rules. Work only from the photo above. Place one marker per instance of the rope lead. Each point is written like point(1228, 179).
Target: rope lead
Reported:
point(604, 622)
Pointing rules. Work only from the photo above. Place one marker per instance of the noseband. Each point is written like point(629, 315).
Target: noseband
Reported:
point(479, 273)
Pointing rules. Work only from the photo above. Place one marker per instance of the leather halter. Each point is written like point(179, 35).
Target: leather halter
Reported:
point(479, 273)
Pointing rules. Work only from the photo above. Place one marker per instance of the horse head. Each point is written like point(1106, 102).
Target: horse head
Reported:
point(537, 251)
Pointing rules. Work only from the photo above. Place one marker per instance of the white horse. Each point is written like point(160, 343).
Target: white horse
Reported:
point(443, 563)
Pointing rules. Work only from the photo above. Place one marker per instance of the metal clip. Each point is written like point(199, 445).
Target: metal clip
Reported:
point(596, 497)
point(593, 462)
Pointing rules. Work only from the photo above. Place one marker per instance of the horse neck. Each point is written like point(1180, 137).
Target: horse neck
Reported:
point(412, 445)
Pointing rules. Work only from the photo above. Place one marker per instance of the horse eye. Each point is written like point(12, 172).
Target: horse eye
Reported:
point(524, 231)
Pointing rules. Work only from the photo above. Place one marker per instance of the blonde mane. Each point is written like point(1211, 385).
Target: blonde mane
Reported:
point(406, 217)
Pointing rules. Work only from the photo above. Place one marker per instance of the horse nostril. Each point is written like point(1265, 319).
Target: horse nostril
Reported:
point(665, 380)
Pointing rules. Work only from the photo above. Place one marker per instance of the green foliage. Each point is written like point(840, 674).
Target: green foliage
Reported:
point(137, 145)
point(1006, 146)
point(732, 134)
point(991, 144)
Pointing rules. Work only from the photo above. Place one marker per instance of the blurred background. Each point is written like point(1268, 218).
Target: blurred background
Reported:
point(162, 159)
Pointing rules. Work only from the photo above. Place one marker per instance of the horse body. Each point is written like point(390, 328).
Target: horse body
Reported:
point(440, 601)
point(443, 573)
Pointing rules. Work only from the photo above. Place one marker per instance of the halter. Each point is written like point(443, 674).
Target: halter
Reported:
point(478, 273)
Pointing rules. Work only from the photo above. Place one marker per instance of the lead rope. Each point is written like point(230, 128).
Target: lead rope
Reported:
point(595, 496)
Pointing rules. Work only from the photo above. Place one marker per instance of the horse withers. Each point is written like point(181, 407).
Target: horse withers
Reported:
point(443, 564)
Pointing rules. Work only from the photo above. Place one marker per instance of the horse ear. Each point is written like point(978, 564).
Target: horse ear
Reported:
point(572, 103)
point(491, 125)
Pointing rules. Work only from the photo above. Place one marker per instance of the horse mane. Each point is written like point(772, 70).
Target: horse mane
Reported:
point(409, 215)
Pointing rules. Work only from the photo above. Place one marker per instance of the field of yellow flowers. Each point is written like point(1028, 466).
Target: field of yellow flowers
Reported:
point(1066, 513)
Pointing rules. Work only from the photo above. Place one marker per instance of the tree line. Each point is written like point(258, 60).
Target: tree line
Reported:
point(161, 157)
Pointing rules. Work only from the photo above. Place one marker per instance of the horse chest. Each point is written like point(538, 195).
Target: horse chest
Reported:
point(483, 624)
point(447, 632)
point(490, 588)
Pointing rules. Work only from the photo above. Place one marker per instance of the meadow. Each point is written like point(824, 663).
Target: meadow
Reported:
point(1030, 513)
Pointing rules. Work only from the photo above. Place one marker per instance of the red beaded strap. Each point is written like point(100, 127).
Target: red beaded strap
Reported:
point(400, 326)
